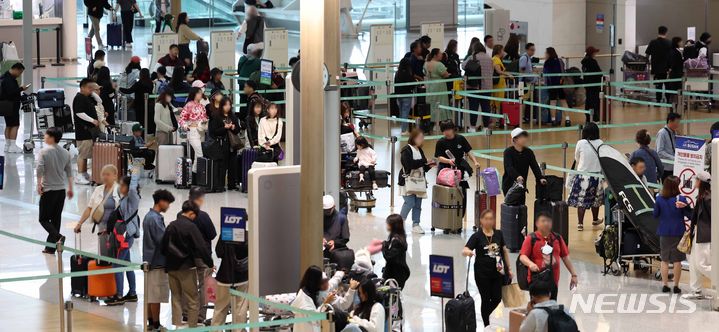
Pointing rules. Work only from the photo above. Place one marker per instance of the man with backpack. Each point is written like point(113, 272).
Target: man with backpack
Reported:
point(540, 256)
point(545, 314)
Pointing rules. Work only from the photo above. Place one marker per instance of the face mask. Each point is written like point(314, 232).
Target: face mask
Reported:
point(547, 249)
point(322, 295)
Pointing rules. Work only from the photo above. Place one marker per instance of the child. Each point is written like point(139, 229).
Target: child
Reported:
point(366, 159)
point(140, 149)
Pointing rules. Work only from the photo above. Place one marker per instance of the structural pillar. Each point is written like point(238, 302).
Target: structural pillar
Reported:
point(332, 39)
point(27, 36)
point(175, 10)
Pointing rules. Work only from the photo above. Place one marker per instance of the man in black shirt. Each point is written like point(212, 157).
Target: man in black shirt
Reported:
point(518, 158)
point(209, 233)
point(658, 53)
point(10, 92)
point(85, 124)
point(457, 145)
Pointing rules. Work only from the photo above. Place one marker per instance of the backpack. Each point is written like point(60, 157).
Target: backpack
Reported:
point(473, 69)
point(118, 225)
point(559, 320)
point(609, 239)
point(522, 270)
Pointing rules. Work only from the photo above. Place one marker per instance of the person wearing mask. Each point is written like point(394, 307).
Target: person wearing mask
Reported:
point(414, 165)
point(416, 60)
point(518, 159)
point(253, 28)
point(587, 192)
point(491, 262)
point(541, 252)
point(103, 201)
point(500, 76)
point(253, 123)
point(655, 167)
point(184, 36)
point(10, 92)
point(269, 131)
point(207, 229)
point(404, 75)
point(128, 208)
point(308, 298)
point(223, 123)
point(171, 60)
point(369, 314)
point(554, 66)
point(107, 93)
point(202, 68)
point(658, 54)
point(541, 300)
point(666, 138)
point(141, 149)
point(95, 10)
point(435, 70)
point(484, 64)
point(639, 167)
point(215, 82)
point(185, 252)
point(590, 65)
point(53, 171)
point(675, 63)
point(335, 225)
point(526, 69)
point(128, 8)
point(671, 208)
point(143, 86)
point(153, 230)
point(701, 226)
point(231, 274)
point(164, 116)
point(193, 119)
point(489, 42)
point(394, 251)
point(86, 126)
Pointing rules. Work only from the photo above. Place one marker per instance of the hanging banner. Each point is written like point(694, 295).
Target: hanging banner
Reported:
point(276, 48)
point(381, 50)
point(441, 276)
point(160, 47)
point(222, 52)
point(434, 30)
point(600, 23)
point(233, 224)
point(88, 48)
point(689, 159)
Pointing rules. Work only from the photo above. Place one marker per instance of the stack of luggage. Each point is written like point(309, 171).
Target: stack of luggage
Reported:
point(513, 219)
point(448, 202)
point(52, 110)
point(549, 201)
point(486, 198)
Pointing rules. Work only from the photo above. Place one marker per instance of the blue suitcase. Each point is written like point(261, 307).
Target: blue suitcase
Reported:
point(246, 159)
point(114, 35)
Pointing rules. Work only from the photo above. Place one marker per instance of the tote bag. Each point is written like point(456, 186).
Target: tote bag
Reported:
point(415, 182)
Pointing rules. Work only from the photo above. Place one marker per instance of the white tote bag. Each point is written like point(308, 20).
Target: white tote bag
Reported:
point(415, 182)
point(9, 52)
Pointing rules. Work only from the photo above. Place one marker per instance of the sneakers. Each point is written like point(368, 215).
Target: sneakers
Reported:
point(374, 186)
point(81, 180)
point(115, 300)
point(695, 296)
point(130, 298)
point(597, 222)
point(417, 229)
point(666, 289)
point(11, 147)
point(580, 227)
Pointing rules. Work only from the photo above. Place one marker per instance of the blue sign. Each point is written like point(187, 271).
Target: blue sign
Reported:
point(233, 224)
point(441, 276)
point(689, 143)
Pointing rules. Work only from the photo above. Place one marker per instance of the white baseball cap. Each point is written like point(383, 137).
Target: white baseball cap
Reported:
point(328, 202)
point(704, 176)
point(518, 131)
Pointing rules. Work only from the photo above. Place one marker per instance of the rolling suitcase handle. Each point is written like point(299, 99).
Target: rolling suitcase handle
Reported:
point(466, 281)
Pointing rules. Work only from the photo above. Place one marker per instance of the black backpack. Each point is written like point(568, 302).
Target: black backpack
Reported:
point(559, 320)
point(473, 69)
point(523, 271)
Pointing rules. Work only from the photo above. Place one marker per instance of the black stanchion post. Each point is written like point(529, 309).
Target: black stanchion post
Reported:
point(565, 145)
point(42, 82)
point(58, 46)
point(393, 142)
point(37, 40)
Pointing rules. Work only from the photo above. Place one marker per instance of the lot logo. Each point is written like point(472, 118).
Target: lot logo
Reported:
point(440, 268)
point(631, 304)
point(232, 219)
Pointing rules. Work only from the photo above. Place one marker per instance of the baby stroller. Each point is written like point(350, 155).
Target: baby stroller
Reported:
point(356, 184)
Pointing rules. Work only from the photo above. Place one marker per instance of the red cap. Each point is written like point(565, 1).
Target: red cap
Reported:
point(135, 59)
point(591, 50)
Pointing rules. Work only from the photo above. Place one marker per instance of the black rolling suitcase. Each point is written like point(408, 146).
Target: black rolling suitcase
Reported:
point(78, 264)
point(209, 175)
point(459, 312)
point(514, 223)
point(114, 34)
point(559, 211)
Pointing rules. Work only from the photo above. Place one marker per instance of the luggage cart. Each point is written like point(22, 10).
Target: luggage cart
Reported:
point(633, 71)
point(28, 106)
point(697, 80)
point(644, 261)
point(393, 305)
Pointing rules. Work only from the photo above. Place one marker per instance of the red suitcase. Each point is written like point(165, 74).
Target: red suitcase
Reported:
point(105, 153)
point(512, 110)
point(481, 203)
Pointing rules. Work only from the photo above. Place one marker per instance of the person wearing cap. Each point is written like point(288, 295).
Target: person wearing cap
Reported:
point(586, 191)
point(701, 226)
point(144, 85)
point(518, 159)
point(140, 148)
point(590, 65)
point(201, 85)
point(86, 126)
point(336, 230)
point(194, 120)
point(215, 82)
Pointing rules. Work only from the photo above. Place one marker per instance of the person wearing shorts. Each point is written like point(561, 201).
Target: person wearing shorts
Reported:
point(153, 227)
point(10, 92)
point(85, 123)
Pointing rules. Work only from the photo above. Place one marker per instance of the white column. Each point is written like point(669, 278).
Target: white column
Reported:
point(69, 30)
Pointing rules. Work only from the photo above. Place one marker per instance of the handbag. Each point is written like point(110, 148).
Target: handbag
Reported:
point(685, 244)
point(449, 177)
point(515, 195)
point(415, 182)
point(212, 149)
point(236, 143)
point(512, 296)
point(99, 211)
point(265, 155)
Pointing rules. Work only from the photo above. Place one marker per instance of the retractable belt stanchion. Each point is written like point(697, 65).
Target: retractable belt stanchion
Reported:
point(37, 50)
point(145, 304)
point(393, 143)
point(565, 145)
point(68, 307)
point(42, 82)
point(58, 46)
point(60, 296)
point(147, 103)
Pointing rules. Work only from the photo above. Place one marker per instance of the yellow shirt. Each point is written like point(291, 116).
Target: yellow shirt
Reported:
point(502, 82)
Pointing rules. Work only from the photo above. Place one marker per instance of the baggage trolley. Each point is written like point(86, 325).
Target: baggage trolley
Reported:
point(697, 80)
point(619, 265)
point(636, 71)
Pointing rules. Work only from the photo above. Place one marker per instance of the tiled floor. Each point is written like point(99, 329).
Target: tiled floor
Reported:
point(24, 302)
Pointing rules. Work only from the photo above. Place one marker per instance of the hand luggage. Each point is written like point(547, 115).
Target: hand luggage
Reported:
point(491, 181)
point(482, 201)
point(559, 211)
point(447, 209)
point(78, 285)
point(632, 244)
point(114, 34)
point(512, 110)
point(167, 156)
point(343, 257)
point(50, 98)
point(209, 175)
point(100, 285)
point(247, 158)
point(449, 177)
point(62, 116)
point(107, 153)
point(353, 180)
point(459, 312)
point(552, 191)
point(183, 173)
point(513, 225)
point(381, 178)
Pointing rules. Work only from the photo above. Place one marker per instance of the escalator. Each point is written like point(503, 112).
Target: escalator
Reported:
point(219, 12)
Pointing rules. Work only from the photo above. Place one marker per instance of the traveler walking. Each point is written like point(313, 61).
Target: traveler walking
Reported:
point(128, 9)
point(414, 169)
point(162, 8)
point(207, 229)
point(590, 65)
point(231, 274)
point(553, 66)
point(518, 159)
point(658, 54)
point(435, 70)
point(253, 28)
point(153, 230)
point(542, 301)
point(655, 167)
point(404, 75)
point(587, 192)
point(184, 36)
point(394, 251)
point(53, 172)
point(671, 208)
point(666, 142)
point(10, 92)
point(479, 65)
point(86, 127)
point(699, 259)
point(95, 10)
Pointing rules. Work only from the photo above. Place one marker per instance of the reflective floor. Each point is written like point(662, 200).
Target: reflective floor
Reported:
point(24, 302)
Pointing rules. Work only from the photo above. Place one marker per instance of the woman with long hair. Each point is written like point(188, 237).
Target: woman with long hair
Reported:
point(193, 119)
point(308, 298)
point(107, 93)
point(671, 208)
point(470, 50)
point(394, 251)
point(491, 262)
point(128, 209)
point(676, 66)
point(699, 260)
point(499, 76)
point(414, 164)
point(368, 315)
point(144, 85)
point(184, 36)
point(269, 131)
point(479, 78)
point(435, 70)
point(165, 119)
point(452, 61)
point(586, 192)
point(202, 68)
point(223, 123)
